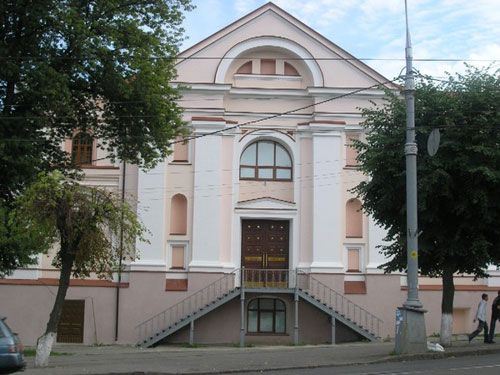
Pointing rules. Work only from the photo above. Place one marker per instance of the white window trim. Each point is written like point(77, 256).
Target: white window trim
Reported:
point(362, 263)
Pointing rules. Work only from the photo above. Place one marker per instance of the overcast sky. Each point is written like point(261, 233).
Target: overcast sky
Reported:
point(440, 29)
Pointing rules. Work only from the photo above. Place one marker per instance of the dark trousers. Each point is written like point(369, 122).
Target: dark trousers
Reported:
point(492, 328)
point(481, 326)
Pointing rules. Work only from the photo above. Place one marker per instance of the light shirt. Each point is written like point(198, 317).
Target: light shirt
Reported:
point(481, 311)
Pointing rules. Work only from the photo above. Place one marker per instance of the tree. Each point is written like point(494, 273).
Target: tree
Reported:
point(99, 66)
point(458, 188)
point(83, 222)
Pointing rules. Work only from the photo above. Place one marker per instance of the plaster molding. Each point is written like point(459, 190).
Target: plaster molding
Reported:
point(269, 41)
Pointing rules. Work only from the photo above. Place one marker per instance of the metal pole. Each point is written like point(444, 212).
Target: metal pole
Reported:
point(117, 307)
point(191, 333)
point(242, 308)
point(334, 336)
point(296, 323)
point(411, 177)
point(410, 323)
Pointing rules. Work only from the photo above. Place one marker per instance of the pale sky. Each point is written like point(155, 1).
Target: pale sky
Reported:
point(440, 29)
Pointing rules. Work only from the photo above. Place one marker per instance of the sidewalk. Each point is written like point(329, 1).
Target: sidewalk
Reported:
point(212, 360)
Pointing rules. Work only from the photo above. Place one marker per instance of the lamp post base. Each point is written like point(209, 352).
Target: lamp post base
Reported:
point(410, 331)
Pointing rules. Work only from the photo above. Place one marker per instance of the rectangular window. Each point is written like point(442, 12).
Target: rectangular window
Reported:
point(353, 260)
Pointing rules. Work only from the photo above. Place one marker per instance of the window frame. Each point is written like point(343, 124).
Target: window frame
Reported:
point(274, 311)
point(171, 245)
point(360, 247)
point(273, 167)
point(77, 148)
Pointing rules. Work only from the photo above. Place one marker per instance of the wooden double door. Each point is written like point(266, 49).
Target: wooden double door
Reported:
point(265, 252)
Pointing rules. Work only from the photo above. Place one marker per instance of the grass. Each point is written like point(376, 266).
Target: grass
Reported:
point(31, 353)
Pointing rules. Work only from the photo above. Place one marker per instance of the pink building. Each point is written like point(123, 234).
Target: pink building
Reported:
point(255, 236)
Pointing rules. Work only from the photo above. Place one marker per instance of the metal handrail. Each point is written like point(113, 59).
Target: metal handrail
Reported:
point(340, 304)
point(277, 278)
point(187, 306)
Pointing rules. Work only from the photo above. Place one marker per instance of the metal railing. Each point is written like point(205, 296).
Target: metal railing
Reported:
point(267, 278)
point(188, 306)
point(338, 302)
point(259, 279)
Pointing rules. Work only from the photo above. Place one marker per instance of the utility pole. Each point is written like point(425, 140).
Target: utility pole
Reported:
point(118, 284)
point(410, 323)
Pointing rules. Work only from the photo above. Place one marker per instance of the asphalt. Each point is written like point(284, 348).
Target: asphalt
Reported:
point(115, 359)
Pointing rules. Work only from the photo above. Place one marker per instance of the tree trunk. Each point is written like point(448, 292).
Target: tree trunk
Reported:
point(45, 342)
point(447, 307)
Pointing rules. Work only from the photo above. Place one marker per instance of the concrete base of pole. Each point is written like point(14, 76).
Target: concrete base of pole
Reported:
point(410, 335)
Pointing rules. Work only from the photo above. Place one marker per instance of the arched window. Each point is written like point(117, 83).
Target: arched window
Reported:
point(81, 149)
point(178, 214)
point(354, 219)
point(266, 160)
point(266, 315)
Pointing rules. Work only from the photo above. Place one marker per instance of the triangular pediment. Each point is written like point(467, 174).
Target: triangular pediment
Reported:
point(266, 203)
point(270, 21)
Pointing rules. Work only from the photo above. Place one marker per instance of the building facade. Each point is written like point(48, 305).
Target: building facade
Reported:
point(256, 236)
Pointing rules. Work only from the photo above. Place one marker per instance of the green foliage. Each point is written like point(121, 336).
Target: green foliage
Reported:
point(18, 247)
point(85, 221)
point(458, 188)
point(102, 66)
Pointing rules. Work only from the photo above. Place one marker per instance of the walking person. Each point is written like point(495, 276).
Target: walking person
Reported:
point(481, 318)
point(495, 314)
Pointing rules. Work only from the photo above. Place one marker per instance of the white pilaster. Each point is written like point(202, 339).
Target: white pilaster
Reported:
point(207, 198)
point(151, 211)
point(376, 236)
point(327, 201)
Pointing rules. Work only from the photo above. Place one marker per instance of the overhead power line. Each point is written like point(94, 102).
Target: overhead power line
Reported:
point(177, 58)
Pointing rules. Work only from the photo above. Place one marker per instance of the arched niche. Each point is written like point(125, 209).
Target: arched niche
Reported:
point(178, 214)
point(354, 219)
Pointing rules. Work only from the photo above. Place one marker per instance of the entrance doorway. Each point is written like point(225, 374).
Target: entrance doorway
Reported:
point(265, 253)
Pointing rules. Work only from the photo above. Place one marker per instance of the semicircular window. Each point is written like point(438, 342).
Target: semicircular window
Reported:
point(267, 161)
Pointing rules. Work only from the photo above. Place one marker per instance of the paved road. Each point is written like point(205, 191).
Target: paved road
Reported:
point(484, 365)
